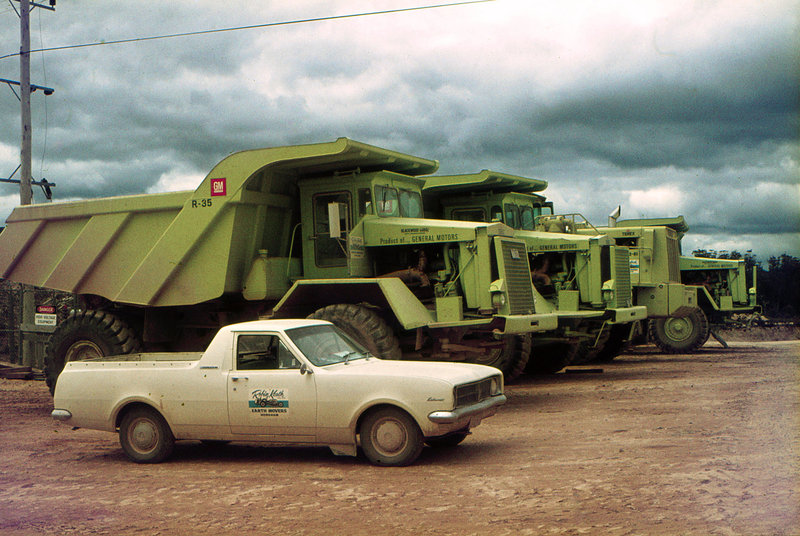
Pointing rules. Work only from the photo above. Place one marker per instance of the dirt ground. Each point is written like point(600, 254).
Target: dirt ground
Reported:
point(701, 444)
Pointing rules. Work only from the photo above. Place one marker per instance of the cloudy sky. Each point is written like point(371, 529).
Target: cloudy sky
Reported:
point(665, 107)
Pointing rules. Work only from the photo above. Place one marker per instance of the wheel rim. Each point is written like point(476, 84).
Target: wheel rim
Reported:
point(143, 435)
point(81, 350)
point(389, 436)
point(678, 329)
point(493, 358)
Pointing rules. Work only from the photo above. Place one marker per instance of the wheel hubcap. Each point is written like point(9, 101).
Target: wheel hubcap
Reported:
point(389, 436)
point(143, 436)
point(678, 329)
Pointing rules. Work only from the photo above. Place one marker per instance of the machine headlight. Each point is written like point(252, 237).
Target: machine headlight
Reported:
point(498, 300)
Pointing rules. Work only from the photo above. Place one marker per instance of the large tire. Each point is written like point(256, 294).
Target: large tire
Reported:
point(549, 358)
point(391, 437)
point(518, 349)
point(145, 436)
point(510, 358)
point(86, 335)
point(363, 325)
point(680, 335)
point(617, 342)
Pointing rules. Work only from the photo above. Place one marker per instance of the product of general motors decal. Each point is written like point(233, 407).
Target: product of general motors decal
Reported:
point(269, 401)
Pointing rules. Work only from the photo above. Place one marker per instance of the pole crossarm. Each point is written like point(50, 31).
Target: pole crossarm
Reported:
point(51, 7)
point(34, 87)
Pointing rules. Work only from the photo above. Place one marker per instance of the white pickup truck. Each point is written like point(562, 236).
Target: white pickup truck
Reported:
point(300, 382)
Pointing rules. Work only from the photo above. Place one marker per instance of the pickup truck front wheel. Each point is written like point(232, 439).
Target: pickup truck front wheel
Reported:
point(390, 436)
point(145, 436)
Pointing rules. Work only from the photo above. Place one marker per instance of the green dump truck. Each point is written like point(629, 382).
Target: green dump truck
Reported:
point(722, 291)
point(584, 280)
point(330, 230)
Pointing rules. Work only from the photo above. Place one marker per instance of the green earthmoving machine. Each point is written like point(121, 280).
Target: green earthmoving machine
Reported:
point(584, 280)
point(330, 230)
point(722, 291)
point(677, 323)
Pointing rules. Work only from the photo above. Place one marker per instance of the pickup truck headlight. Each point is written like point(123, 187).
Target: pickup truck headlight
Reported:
point(495, 386)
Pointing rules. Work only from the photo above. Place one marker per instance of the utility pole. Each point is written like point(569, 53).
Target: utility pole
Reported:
point(25, 194)
point(28, 327)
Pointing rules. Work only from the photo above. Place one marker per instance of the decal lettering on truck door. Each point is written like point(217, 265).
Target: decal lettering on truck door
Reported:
point(269, 402)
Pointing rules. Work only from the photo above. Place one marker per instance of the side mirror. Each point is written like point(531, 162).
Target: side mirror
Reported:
point(305, 369)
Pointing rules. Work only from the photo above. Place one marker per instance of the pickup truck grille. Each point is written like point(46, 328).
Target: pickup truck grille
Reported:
point(472, 393)
point(518, 277)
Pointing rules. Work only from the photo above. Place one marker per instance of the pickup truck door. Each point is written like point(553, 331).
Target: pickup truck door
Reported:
point(267, 395)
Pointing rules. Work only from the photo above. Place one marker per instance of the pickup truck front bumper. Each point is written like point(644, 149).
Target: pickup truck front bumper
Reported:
point(481, 410)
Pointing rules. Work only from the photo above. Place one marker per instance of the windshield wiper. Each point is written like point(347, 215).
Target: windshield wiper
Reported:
point(346, 355)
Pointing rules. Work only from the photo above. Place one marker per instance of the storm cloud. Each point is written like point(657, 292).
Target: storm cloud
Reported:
point(664, 108)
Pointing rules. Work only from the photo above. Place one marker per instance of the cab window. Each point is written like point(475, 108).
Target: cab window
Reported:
point(364, 202)
point(512, 215)
point(329, 251)
point(386, 201)
point(410, 204)
point(526, 218)
point(468, 214)
point(263, 352)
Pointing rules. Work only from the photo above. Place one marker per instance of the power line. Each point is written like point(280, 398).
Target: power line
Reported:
point(250, 27)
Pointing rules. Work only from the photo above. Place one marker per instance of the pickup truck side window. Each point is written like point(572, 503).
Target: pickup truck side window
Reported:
point(256, 352)
point(263, 352)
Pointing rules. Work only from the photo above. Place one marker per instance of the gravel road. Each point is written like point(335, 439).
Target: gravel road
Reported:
point(701, 444)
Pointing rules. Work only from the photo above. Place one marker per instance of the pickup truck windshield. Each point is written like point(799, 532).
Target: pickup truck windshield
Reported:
point(326, 345)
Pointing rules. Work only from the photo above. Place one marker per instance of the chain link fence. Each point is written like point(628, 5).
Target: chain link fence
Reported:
point(11, 337)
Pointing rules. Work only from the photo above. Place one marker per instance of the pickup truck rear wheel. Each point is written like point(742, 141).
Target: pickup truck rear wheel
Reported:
point(145, 436)
point(390, 436)
point(86, 335)
point(365, 326)
point(680, 335)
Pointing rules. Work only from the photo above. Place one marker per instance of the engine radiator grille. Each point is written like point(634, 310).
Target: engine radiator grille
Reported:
point(518, 277)
point(622, 277)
